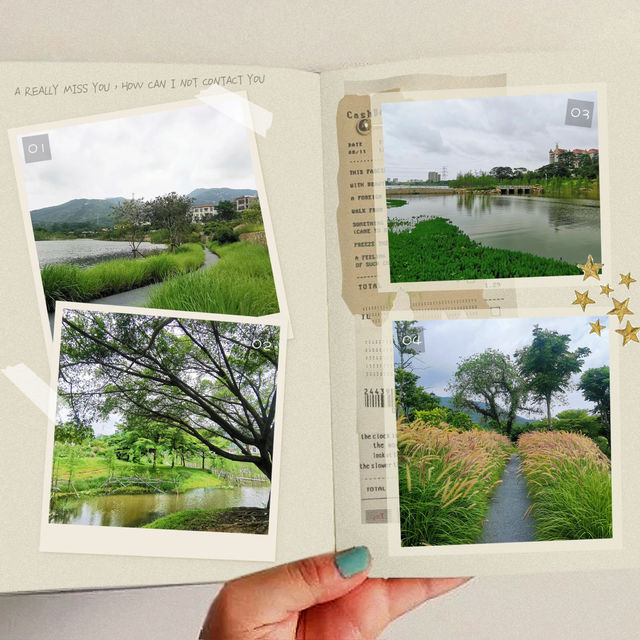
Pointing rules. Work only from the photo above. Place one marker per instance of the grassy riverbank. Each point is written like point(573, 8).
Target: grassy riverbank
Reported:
point(70, 282)
point(392, 202)
point(241, 283)
point(90, 473)
point(435, 250)
point(233, 520)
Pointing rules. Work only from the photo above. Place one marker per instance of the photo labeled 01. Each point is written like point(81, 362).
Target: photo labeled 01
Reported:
point(157, 207)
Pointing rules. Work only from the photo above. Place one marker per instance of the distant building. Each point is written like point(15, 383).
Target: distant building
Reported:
point(243, 202)
point(554, 154)
point(433, 176)
point(201, 211)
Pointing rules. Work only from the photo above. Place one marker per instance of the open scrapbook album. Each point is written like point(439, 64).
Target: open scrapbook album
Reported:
point(255, 314)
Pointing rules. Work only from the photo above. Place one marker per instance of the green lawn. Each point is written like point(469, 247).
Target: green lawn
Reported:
point(91, 472)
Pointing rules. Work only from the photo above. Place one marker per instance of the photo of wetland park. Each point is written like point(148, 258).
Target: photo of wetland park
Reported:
point(155, 210)
point(164, 423)
point(483, 188)
point(504, 430)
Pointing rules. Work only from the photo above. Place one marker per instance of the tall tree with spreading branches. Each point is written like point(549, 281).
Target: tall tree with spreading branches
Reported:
point(212, 380)
point(489, 384)
point(548, 364)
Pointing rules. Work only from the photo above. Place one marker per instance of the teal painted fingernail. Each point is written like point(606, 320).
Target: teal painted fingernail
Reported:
point(352, 561)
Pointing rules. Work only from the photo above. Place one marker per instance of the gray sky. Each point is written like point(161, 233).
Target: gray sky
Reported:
point(448, 341)
point(147, 155)
point(476, 134)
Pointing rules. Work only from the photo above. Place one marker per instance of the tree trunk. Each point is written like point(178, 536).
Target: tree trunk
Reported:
point(202, 453)
point(548, 401)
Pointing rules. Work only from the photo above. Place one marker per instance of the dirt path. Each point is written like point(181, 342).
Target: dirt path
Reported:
point(505, 519)
point(138, 297)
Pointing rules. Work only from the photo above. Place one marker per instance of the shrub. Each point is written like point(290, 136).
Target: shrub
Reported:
point(444, 416)
point(221, 232)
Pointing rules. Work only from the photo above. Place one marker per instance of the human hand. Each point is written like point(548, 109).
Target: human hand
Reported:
point(327, 597)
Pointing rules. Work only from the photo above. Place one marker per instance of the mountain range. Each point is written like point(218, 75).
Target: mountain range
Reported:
point(98, 212)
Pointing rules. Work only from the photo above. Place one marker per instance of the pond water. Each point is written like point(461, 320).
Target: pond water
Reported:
point(562, 228)
point(86, 252)
point(140, 509)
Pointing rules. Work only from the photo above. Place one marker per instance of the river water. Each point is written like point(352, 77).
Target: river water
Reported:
point(140, 509)
point(562, 228)
point(86, 252)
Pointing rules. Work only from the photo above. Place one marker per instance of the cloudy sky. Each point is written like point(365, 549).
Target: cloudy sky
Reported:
point(448, 341)
point(476, 134)
point(146, 155)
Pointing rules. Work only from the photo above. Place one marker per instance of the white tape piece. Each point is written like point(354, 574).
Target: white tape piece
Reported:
point(33, 387)
point(238, 108)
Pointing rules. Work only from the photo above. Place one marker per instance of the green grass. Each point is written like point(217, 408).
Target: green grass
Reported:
point(232, 520)
point(436, 249)
point(391, 202)
point(72, 283)
point(241, 283)
point(91, 472)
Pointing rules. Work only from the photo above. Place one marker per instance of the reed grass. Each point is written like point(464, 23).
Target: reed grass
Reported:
point(72, 283)
point(447, 477)
point(241, 283)
point(569, 482)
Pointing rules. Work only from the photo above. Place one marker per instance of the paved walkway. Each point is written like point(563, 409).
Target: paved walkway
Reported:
point(138, 297)
point(505, 519)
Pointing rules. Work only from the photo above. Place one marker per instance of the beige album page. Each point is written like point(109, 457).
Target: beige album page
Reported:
point(482, 273)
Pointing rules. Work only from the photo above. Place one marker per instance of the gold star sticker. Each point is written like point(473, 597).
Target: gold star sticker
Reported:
point(629, 333)
point(590, 268)
point(583, 299)
point(596, 327)
point(605, 290)
point(626, 279)
point(620, 309)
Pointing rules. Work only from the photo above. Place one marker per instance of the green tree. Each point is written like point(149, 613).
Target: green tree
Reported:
point(594, 384)
point(132, 217)
point(489, 384)
point(72, 432)
point(252, 214)
point(578, 420)
point(208, 379)
point(226, 210)
point(548, 364)
point(173, 213)
point(410, 397)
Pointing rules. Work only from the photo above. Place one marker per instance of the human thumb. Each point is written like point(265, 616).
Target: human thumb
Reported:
point(274, 594)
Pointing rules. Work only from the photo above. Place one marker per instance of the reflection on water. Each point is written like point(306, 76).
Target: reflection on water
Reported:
point(562, 228)
point(140, 509)
point(85, 252)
